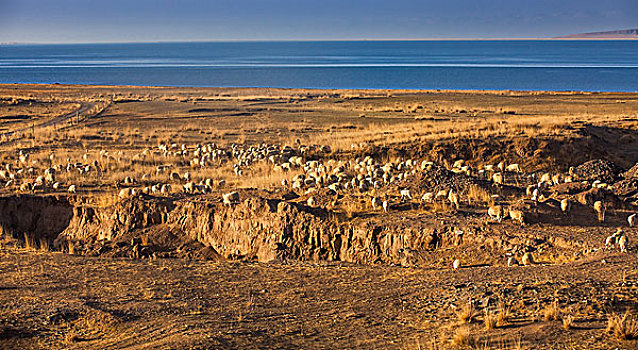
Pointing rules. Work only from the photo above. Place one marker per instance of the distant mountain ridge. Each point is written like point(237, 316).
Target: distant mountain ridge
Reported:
point(612, 34)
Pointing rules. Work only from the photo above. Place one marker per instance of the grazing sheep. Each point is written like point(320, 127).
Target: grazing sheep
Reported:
point(166, 189)
point(428, 197)
point(497, 178)
point(517, 215)
point(374, 202)
point(511, 261)
point(311, 201)
point(599, 208)
point(456, 264)
point(56, 186)
point(565, 206)
point(174, 176)
point(513, 168)
point(125, 193)
point(25, 187)
point(189, 187)
point(495, 212)
point(535, 195)
point(385, 206)
point(405, 194)
point(73, 189)
point(230, 198)
point(631, 220)
point(453, 197)
point(622, 243)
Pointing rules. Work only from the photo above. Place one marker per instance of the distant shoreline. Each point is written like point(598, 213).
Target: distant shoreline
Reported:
point(283, 89)
point(561, 38)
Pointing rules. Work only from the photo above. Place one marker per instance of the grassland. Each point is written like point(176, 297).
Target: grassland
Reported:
point(391, 284)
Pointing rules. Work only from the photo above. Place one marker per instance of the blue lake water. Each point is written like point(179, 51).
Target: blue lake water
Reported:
point(516, 65)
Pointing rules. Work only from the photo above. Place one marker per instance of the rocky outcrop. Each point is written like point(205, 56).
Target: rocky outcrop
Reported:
point(598, 169)
point(258, 228)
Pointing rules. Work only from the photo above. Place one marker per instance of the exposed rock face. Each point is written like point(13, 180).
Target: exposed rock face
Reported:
point(42, 217)
point(257, 228)
point(265, 229)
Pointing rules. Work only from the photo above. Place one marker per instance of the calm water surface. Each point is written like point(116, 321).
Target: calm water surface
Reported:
point(518, 65)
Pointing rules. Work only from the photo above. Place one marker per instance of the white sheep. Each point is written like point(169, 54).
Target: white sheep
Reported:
point(495, 212)
point(374, 202)
point(385, 206)
point(230, 198)
point(497, 178)
point(166, 189)
point(311, 202)
point(189, 187)
point(405, 193)
point(453, 197)
point(517, 215)
point(631, 220)
point(73, 189)
point(513, 168)
point(599, 208)
point(125, 193)
point(456, 264)
point(428, 197)
point(622, 243)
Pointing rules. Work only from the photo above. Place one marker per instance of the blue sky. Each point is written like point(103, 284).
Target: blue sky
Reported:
point(48, 21)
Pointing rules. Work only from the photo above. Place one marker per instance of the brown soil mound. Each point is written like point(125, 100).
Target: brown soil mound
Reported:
point(598, 169)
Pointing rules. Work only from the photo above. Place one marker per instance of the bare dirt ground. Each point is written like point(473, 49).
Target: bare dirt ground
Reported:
point(129, 244)
point(52, 300)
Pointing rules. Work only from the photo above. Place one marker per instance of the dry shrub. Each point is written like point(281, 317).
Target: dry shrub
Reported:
point(490, 319)
point(441, 207)
point(624, 327)
point(568, 322)
point(44, 244)
point(463, 337)
point(503, 314)
point(467, 313)
point(71, 337)
point(29, 241)
point(551, 312)
point(476, 194)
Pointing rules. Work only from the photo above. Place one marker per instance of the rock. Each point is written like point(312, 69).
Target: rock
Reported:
point(598, 169)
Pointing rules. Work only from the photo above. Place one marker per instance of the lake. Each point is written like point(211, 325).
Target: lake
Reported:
point(486, 65)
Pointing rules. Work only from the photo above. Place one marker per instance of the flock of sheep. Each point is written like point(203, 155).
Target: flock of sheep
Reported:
point(302, 169)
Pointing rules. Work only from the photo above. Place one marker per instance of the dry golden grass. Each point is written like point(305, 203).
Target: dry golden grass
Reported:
point(490, 319)
point(464, 338)
point(568, 322)
point(623, 327)
point(503, 314)
point(29, 242)
point(478, 195)
point(551, 312)
point(466, 313)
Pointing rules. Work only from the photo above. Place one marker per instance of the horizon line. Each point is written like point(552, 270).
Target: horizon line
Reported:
point(560, 38)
